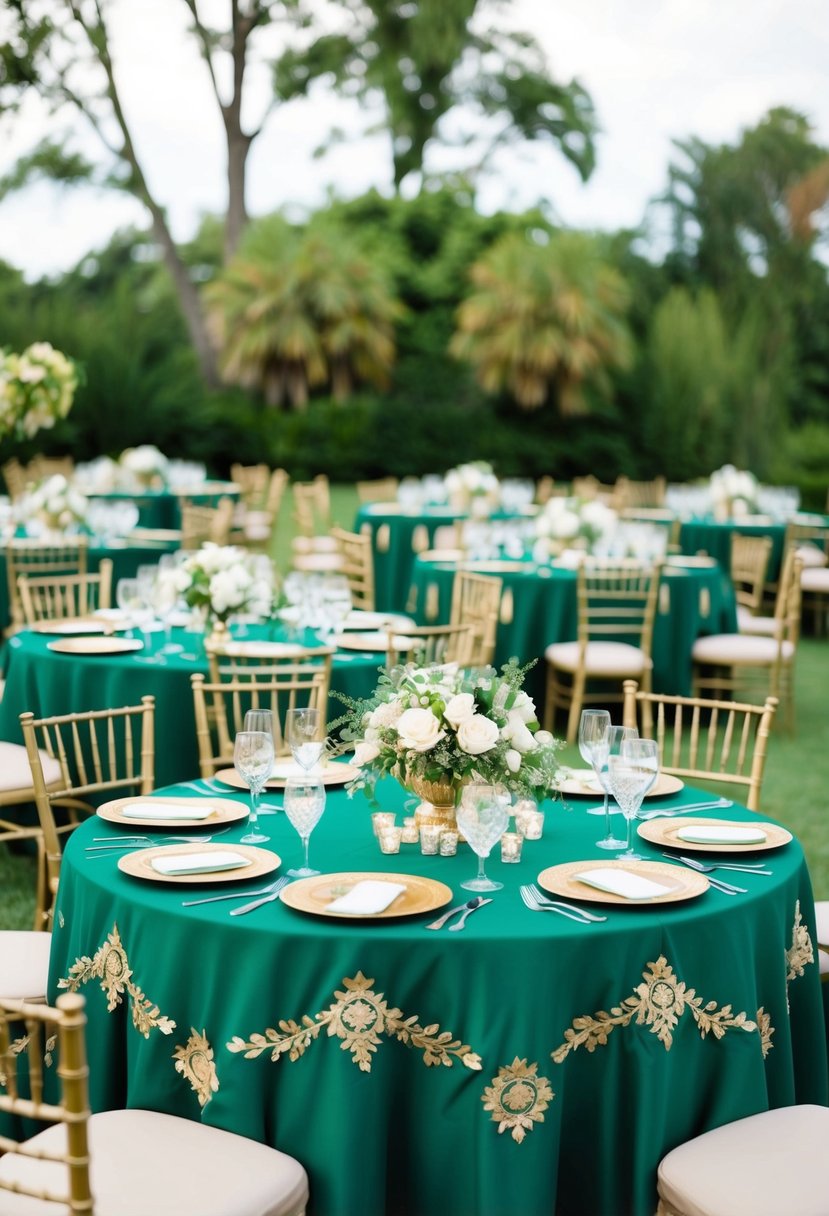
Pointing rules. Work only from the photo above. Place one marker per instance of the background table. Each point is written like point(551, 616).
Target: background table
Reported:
point(161, 508)
point(168, 990)
point(714, 538)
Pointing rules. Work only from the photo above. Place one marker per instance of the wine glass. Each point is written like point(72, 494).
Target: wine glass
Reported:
point(483, 816)
point(165, 598)
point(302, 734)
point(632, 773)
point(261, 720)
point(593, 726)
point(253, 760)
point(609, 746)
point(304, 803)
point(129, 601)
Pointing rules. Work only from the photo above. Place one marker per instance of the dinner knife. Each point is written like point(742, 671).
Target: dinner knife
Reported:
point(441, 921)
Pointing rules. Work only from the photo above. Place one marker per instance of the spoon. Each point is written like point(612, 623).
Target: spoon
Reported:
point(469, 906)
point(461, 922)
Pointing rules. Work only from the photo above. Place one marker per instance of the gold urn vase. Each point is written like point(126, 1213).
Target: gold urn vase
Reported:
point(440, 797)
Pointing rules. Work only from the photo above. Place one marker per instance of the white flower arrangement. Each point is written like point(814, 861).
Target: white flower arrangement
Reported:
point(146, 464)
point(222, 580)
point(471, 484)
point(37, 389)
point(733, 492)
point(442, 724)
point(55, 504)
point(575, 522)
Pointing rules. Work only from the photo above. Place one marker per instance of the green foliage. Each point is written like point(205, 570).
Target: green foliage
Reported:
point(802, 460)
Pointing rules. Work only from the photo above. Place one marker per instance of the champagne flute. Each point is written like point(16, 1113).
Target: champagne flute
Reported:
point(483, 816)
point(304, 803)
point(608, 746)
point(262, 720)
point(593, 725)
point(302, 733)
point(253, 760)
point(632, 773)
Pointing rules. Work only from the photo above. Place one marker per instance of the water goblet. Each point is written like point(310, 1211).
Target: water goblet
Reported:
point(130, 602)
point(631, 774)
point(483, 816)
point(253, 760)
point(261, 720)
point(609, 746)
point(302, 733)
point(304, 803)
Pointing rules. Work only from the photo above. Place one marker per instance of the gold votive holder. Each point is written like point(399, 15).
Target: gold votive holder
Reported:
point(411, 833)
point(529, 822)
point(390, 838)
point(511, 846)
point(381, 819)
point(448, 843)
point(430, 834)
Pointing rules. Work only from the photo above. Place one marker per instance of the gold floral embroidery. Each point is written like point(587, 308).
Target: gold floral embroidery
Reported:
point(61, 919)
point(359, 1018)
point(659, 1003)
point(420, 538)
point(383, 541)
point(800, 953)
point(111, 966)
point(517, 1098)
point(195, 1063)
point(766, 1030)
point(507, 609)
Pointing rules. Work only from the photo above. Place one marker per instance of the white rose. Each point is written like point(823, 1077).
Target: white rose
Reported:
point(513, 759)
point(525, 707)
point(364, 753)
point(477, 734)
point(459, 708)
point(516, 732)
point(543, 738)
point(419, 730)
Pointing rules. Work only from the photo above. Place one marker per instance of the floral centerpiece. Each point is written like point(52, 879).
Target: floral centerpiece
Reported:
point(146, 465)
point(573, 523)
point(436, 728)
point(37, 389)
point(733, 492)
point(54, 504)
point(219, 581)
point(473, 487)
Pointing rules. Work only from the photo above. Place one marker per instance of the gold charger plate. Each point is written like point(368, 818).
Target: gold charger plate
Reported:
point(664, 832)
point(262, 861)
point(222, 810)
point(588, 787)
point(95, 644)
point(315, 894)
point(78, 626)
point(563, 880)
point(334, 773)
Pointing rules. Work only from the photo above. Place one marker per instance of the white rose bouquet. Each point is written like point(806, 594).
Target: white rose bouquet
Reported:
point(222, 580)
point(473, 486)
point(442, 724)
point(575, 522)
point(55, 504)
point(37, 389)
point(145, 464)
point(733, 492)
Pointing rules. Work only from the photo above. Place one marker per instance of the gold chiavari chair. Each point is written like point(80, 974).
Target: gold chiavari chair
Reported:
point(749, 566)
point(476, 601)
point(432, 644)
point(256, 515)
point(639, 494)
point(16, 478)
point(312, 506)
point(50, 466)
point(706, 739)
point(200, 523)
point(106, 1163)
point(58, 597)
point(229, 660)
point(811, 543)
point(357, 565)
point(616, 599)
point(382, 489)
point(40, 558)
point(107, 751)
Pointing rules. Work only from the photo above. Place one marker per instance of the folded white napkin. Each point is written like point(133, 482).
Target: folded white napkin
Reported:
point(721, 835)
point(623, 882)
point(367, 897)
point(199, 863)
point(166, 810)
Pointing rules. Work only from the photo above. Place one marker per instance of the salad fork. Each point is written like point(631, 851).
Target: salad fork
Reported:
point(709, 867)
point(541, 898)
point(535, 905)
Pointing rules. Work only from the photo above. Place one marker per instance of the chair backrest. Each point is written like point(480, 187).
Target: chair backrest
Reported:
point(16, 478)
point(810, 539)
point(617, 601)
point(252, 480)
point(382, 489)
point(722, 741)
point(38, 1022)
point(749, 564)
point(788, 601)
point(228, 660)
point(425, 644)
point(476, 601)
point(220, 705)
point(106, 751)
point(38, 558)
point(55, 597)
point(591, 488)
point(312, 506)
point(639, 493)
point(357, 565)
point(200, 523)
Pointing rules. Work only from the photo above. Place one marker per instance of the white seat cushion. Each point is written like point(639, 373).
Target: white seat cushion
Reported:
point(24, 965)
point(601, 659)
point(748, 623)
point(257, 525)
point(766, 1165)
point(15, 773)
point(148, 1164)
point(811, 556)
point(815, 578)
point(741, 648)
point(822, 921)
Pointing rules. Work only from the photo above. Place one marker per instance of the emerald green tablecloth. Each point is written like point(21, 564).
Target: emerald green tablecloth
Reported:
point(160, 508)
point(538, 607)
point(713, 538)
point(701, 1012)
point(45, 682)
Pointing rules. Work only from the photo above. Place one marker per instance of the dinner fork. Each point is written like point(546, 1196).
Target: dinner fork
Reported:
point(535, 906)
point(719, 884)
point(147, 842)
point(540, 898)
point(708, 867)
point(277, 885)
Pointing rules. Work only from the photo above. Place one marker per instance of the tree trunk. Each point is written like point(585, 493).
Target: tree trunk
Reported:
point(238, 146)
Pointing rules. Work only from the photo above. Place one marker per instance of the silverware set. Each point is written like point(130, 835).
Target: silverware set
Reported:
point(717, 804)
point(538, 902)
point(744, 867)
point(465, 911)
point(268, 893)
point(104, 844)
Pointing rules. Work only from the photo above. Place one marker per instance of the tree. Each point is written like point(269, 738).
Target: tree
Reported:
point(545, 319)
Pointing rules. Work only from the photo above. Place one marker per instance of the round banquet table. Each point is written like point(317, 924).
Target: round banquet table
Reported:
point(566, 1058)
point(161, 508)
point(538, 607)
point(47, 682)
point(714, 538)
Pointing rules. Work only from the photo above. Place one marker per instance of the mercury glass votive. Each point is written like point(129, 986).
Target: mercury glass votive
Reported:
point(529, 822)
point(411, 833)
point(381, 819)
point(430, 838)
point(390, 838)
point(448, 843)
point(511, 846)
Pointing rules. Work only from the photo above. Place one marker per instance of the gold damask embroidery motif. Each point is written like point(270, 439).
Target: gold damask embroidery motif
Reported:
point(659, 1003)
point(111, 966)
point(195, 1063)
point(766, 1030)
point(800, 953)
point(517, 1098)
point(359, 1018)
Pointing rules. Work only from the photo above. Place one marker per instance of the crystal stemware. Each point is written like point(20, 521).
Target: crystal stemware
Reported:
point(632, 773)
point(304, 803)
point(302, 728)
point(609, 746)
point(261, 720)
point(253, 760)
point(483, 816)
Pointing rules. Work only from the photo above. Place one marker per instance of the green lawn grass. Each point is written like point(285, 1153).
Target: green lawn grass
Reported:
point(795, 791)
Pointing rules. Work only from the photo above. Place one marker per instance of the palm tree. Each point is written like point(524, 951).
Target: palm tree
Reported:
point(544, 319)
point(298, 310)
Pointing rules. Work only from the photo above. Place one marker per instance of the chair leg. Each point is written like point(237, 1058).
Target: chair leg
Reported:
point(575, 707)
point(549, 700)
point(647, 708)
point(42, 885)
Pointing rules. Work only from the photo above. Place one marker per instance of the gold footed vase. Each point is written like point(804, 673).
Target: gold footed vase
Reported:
point(440, 796)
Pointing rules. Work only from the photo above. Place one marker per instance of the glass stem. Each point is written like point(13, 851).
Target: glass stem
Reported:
point(254, 806)
point(306, 840)
point(481, 872)
point(629, 846)
point(607, 815)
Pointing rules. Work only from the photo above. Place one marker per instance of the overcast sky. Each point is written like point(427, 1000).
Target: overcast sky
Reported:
point(656, 70)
